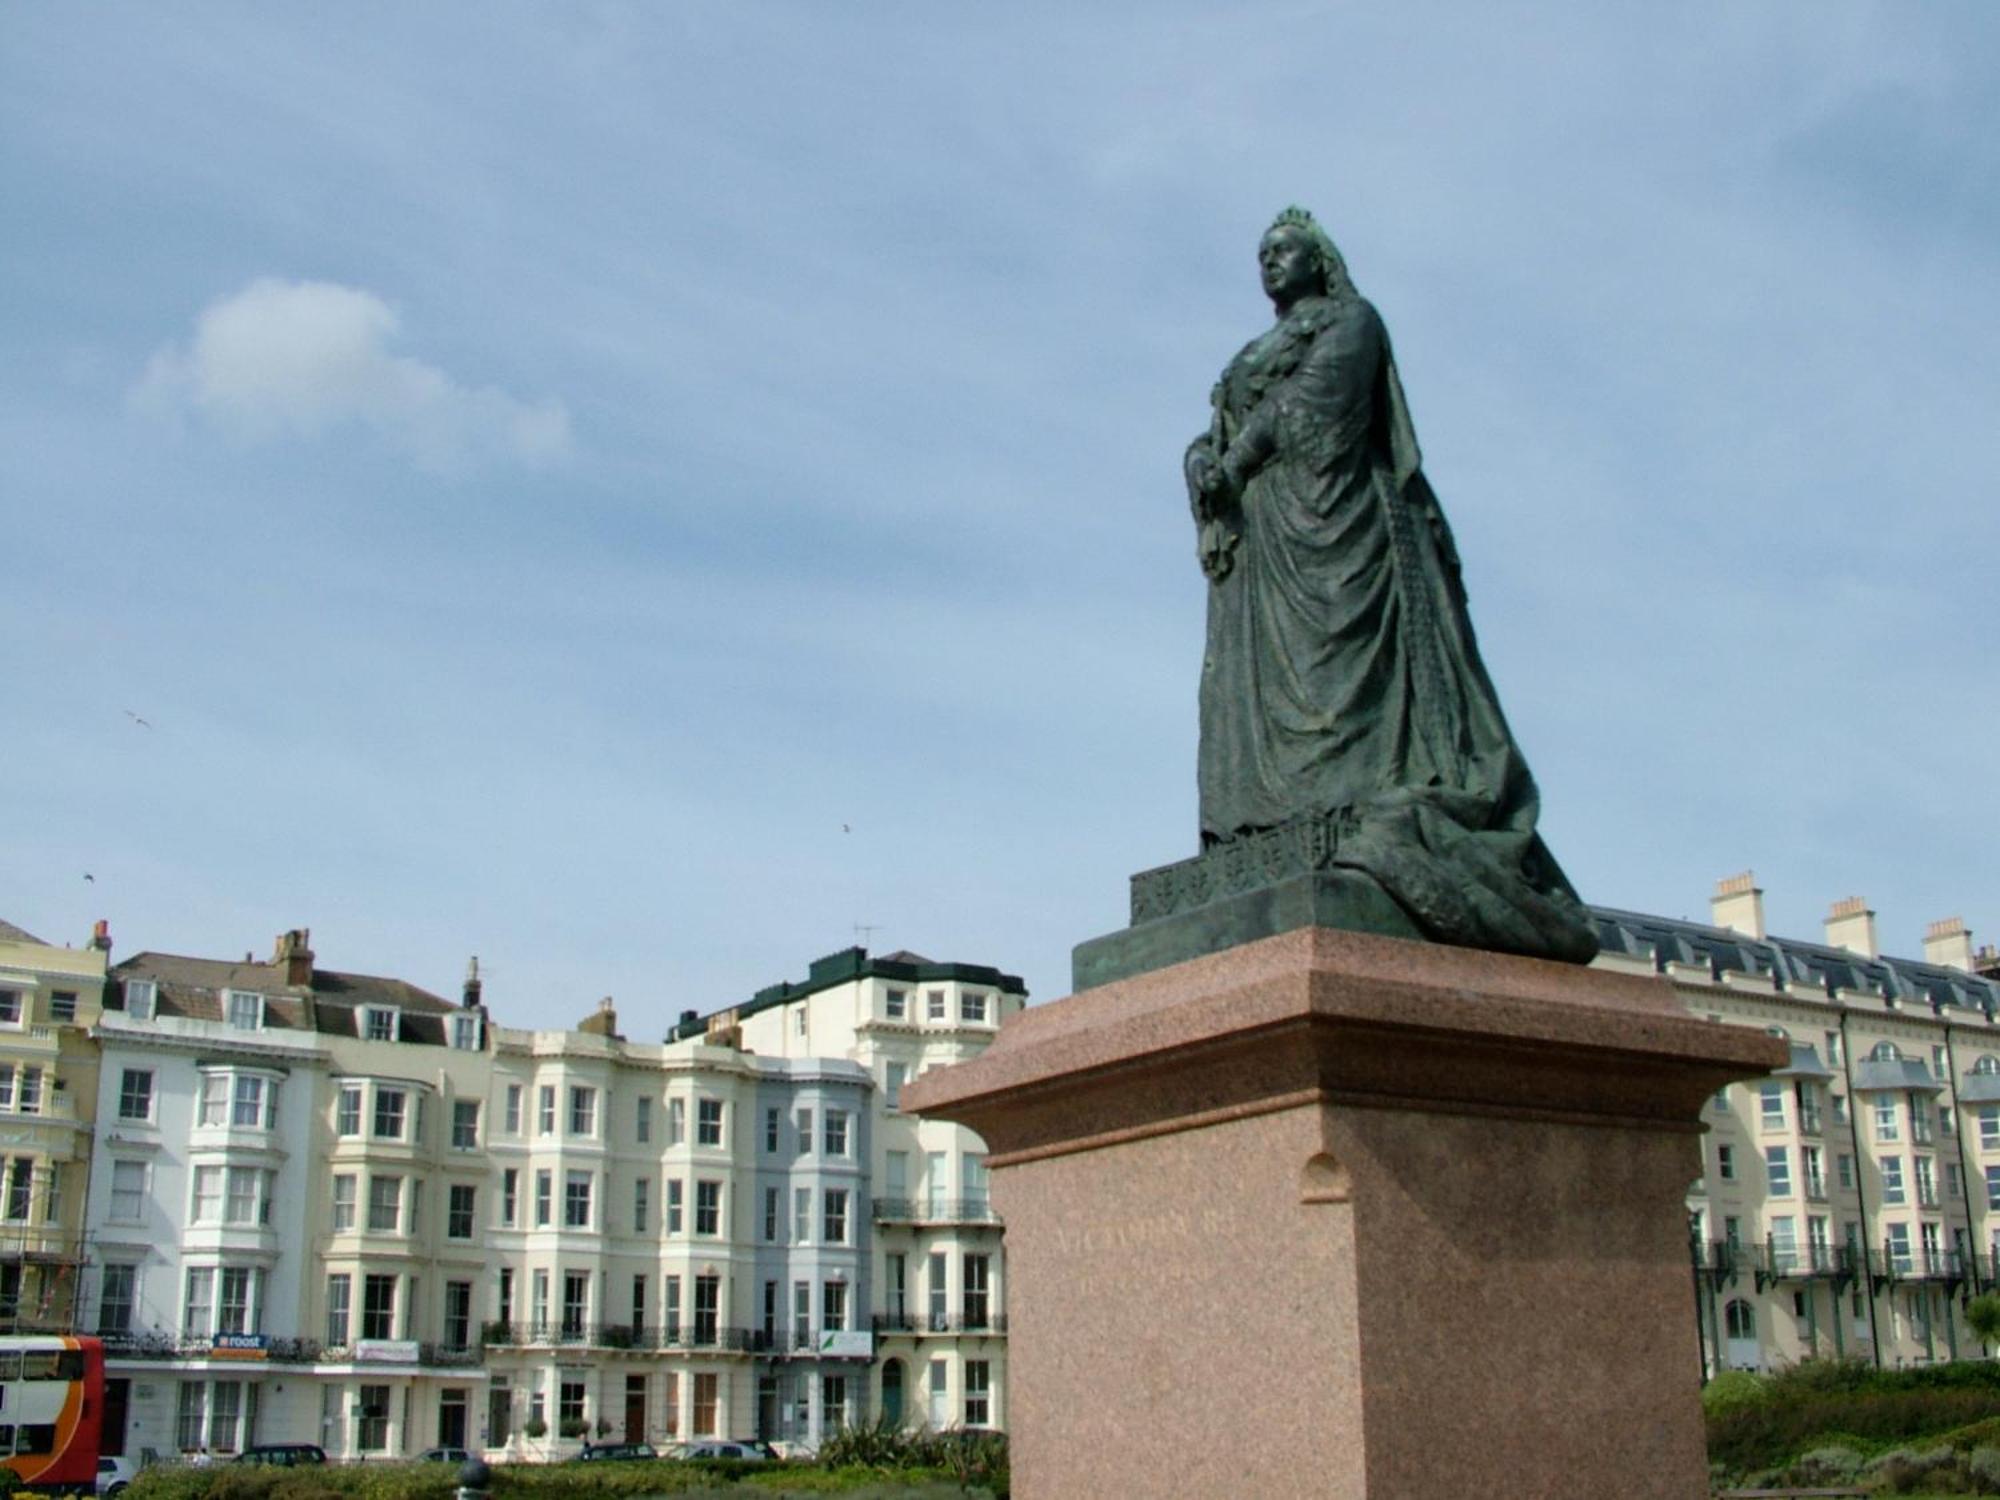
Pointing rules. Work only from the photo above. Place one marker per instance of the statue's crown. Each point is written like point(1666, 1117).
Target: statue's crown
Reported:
point(1295, 217)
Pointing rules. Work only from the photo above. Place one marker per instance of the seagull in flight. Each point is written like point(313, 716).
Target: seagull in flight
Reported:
point(142, 723)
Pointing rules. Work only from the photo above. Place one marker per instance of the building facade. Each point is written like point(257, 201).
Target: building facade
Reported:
point(1848, 1206)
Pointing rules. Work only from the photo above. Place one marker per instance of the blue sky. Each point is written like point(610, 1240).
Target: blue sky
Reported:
point(635, 491)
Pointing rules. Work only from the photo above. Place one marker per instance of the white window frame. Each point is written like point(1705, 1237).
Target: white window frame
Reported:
point(380, 1023)
point(243, 1010)
point(141, 998)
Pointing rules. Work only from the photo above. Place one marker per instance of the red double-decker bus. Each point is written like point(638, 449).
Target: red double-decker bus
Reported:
point(51, 1410)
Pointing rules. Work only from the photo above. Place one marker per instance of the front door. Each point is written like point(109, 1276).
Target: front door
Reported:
point(451, 1418)
point(117, 1397)
point(635, 1408)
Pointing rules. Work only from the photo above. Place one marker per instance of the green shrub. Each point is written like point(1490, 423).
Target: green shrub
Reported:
point(1982, 1316)
point(1833, 1464)
point(1983, 1468)
point(1733, 1389)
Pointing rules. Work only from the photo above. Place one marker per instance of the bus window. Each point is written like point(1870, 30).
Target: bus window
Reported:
point(39, 1364)
point(6, 1437)
point(35, 1437)
point(10, 1364)
point(69, 1364)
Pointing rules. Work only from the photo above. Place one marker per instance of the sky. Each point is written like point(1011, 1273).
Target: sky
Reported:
point(651, 494)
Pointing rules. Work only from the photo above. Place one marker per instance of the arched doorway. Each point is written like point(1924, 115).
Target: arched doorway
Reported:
point(892, 1393)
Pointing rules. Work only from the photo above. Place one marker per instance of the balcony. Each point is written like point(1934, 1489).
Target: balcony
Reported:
point(933, 1211)
point(642, 1336)
point(275, 1351)
point(919, 1324)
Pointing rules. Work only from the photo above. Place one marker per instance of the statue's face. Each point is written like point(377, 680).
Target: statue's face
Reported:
point(1291, 270)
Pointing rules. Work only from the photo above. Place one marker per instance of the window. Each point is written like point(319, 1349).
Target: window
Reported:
point(1885, 1115)
point(978, 1393)
point(643, 1118)
point(385, 1204)
point(894, 1077)
point(544, 1196)
point(128, 1190)
point(707, 1207)
point(972, 1009)
point(896, 1005)
point(802, 1211)
point(836, 1216)
point(460, 1202)
point(674, 1205)
point(513, 1109)
point(833, 1402)
point(135, 1094)
point(378, 1307)
point(1993, 1187)
point(245, 1010)
point(639, 1301)
point(706, 1405)
point(770, 1215)
point(510, 1195)
point(200, 1317)
point(677, 1115)
point(670, 1304)
point(1900, 1259)
point(836, 1132)
point(805, 1122)
point(506, 1298)
point(20, 1179)
point(389, 1107)
point(10, 1007)
point(582, 1111)
point(378, 1023)
point(6, 1085)
point(1771, 1105)
point(140, 995)
point(1892, 1179)
point(707, 1304)
point(642, 1190)
point(343, 1201)
point(347, 1112)
point(1845, 1171)
point(897, 1277)
point(799, 1021)
point(62, 1005)
point(771, 1118)
point(708, 1122)
point(465, 1124)
point(545, 1109)
point(1815, 1171)
point(1778, 1171)
point(458, 1314)
point(241, 1204)
point(233, 1305)
point(935, 1183)
point(833, 1306)
point(1951, 1179)
point(940, 1394)
point(30, 1102)
point(575, 1303)
point(191, 1416)
point(115, 1299)
point(940, 1292)
point(576, 1200)
point(1725, 1163)
point(208, 1195)
point(541, 1303)
point(973, 1168)
point(975, 1294)
point(1926, 1182)
point(465, 1033)
point(802, 1314)
point(256, 1104)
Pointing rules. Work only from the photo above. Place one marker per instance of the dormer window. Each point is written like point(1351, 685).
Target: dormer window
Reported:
point(378, 1023)
point(465, 1033)
point(10, 1007)
point(245, 1010)
point(140, 995)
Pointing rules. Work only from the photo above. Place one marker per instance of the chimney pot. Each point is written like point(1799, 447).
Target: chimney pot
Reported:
point(1738, 904)
point(1948, 943)
point(1851, 925)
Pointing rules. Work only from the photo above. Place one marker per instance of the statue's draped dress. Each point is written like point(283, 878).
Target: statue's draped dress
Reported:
point(1341, 676)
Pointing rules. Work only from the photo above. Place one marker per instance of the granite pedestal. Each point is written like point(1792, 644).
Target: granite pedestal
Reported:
point(1338, 1215)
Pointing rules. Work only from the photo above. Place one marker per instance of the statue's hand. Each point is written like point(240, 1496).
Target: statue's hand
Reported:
point(1204, 476)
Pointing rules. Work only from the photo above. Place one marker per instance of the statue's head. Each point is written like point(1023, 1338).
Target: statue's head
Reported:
point(1298, 260)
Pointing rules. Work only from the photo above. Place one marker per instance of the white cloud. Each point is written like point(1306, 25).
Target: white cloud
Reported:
point(286, 359)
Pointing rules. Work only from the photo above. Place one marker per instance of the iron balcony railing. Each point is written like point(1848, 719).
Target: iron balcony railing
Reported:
point(921, 1323)
point(933, 1211)
point(696, 1335)
point(278, 1351)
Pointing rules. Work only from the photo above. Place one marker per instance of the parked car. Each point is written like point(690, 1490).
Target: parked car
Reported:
point(728, 1448)
point(113, 1474)
point(285, 1455)
point(444, 1456)
point(618, 1451)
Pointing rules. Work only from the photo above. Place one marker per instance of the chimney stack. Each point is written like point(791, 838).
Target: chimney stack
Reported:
point(295, 956)
point(100, 936)
point(1851, 925)
point(602, 1022)
point(1738, 904)
point(1948, 943)
point(473, 987)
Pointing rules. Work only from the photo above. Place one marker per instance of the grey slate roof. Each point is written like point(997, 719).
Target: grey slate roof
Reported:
point(193, 987)
point(1792, 966)
point(9, 933)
